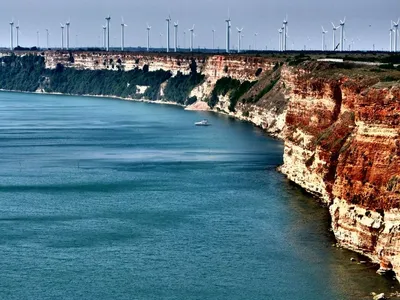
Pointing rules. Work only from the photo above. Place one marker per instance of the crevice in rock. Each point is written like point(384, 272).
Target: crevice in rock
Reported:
point(338, 97)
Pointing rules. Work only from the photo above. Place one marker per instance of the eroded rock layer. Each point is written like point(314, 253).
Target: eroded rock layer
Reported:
point(342, 144)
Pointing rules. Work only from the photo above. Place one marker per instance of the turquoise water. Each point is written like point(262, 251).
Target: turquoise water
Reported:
point(108, 199)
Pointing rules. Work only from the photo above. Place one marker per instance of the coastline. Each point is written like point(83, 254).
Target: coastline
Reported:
point(98, 96)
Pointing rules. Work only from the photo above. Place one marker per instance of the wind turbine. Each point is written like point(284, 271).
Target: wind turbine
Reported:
point(184, 39)
point(323, 38)
point(108, 33)
point(123, 25)
point(38, 39)
point(168, 22)
point(396, 32)
point(161, 41)
point(47, 38)
point(228, 33)
point(239, 37)
point(351, 45)
point(191, 38)
point(176, 36)
point(12, 35)
point(148, 28)
point(280, 38)
point(342, 23)
point(285, 30)
point(62, 36)
point(255, 40)
point(104, 37)
point(17, 32)
point(391, 38)
point(213, 39)
point(334, 28)
point(67, 24)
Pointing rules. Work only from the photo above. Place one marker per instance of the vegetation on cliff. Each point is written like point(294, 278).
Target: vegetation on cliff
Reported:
point(234, 87)
point(179, 87)
point(28, 73)
point(104, 82)
point(21, 73)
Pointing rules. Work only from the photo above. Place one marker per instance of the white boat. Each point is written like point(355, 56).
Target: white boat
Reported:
point(203, 122)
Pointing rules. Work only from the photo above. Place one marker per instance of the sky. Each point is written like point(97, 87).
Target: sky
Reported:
point(367, 21)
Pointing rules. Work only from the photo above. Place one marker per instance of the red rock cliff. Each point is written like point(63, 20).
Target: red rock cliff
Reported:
point(343, 144)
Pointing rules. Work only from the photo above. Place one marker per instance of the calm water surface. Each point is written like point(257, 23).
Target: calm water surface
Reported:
point(107, 199)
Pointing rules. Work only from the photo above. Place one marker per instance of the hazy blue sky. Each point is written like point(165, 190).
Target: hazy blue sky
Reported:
point(368, 21)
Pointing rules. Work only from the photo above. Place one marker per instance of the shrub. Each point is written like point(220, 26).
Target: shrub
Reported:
point(180, 86)
point(387, 66)
point(191, 100)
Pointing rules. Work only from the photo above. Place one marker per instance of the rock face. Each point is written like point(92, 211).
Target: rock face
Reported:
point(213, 66)
point(342, 144)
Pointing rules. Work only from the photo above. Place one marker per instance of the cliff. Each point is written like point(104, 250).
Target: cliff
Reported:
point(182, 78)
point(340, 121)
point(342, 144)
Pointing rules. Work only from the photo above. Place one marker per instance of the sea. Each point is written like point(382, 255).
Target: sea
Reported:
point(109, 199)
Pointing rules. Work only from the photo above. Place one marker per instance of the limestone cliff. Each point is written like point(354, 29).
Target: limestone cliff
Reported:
point(342, 144)
point(268, 113)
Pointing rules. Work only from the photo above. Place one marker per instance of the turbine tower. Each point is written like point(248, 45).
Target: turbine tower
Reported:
point(123, 25)
point(62, 36)
point(168, 22)
point(176, 36)
point(67, 24)
point(17, 34)
point(108, 33)
point(255, 41)
point(323, 38)
point(191, 38)
point(228, 34)
point(285, 30)
point(391, 38)
point(38, 39)
point(334, 28)
point(148, 37)
point(280, 30)
point(239, 37)
point(396, 33)
point(104, 37)
point(342, 23)
point(47, 38)
point(12, 35)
